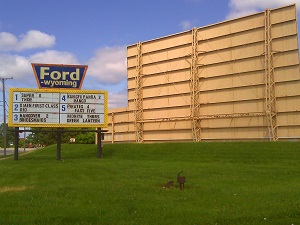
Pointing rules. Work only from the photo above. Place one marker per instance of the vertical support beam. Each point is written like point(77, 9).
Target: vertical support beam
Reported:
point(195, 92)
point(58, 148)
point(99, 141)
point(138, 100)
point(16, 152)
point(270, 97)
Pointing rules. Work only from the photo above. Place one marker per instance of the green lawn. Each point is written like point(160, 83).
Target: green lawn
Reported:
point(227, 183)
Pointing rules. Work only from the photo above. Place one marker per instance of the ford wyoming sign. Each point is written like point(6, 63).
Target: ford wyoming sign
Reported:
point(59, 76)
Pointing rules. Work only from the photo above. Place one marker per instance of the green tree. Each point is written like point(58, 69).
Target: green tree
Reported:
point(85, 138)
point(10, 135)
point(48, 136)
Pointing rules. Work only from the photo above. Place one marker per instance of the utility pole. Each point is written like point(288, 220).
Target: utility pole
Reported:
point(4, 113)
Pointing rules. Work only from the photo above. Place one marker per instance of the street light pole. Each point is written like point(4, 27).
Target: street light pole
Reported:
point(4, 114)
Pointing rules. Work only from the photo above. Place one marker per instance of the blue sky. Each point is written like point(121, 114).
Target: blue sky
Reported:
point(97, 32)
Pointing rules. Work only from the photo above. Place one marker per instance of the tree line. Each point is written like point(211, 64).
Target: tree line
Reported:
point(42, 136)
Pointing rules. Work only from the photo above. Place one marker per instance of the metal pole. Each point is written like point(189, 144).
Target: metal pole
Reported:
point(4, 118)
point(24, 139)
point(16, 143)
point(99, 141)
point(4, 114)
point(58, 150)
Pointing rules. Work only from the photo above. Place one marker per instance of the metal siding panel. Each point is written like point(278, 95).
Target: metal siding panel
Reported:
point(166, 90)
point(167, 125)
point(284, 29)
point(233, 108)
point(238, 94)
point(166, 54)
point(288, 89)
point(169, 77)
point(236, 80)
point(285, 44)
point(170, 101)
point(283, 59)
point(167, 113)
point(283, 14)
point(166, 42)
point(289, 73)
point(232, 26)
point(131, 51)
point(250, 121)
point(241, 66)
point(166, 66)
point(288, 118)
point(232, 54)
point(245, 38)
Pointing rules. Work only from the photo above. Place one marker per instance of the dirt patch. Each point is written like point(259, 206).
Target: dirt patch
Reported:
point(10, 189)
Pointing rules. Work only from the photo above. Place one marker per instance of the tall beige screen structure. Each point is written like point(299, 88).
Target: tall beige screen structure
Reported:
point(235, 80)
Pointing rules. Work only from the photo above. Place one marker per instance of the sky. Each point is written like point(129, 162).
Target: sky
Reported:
point(97, 32)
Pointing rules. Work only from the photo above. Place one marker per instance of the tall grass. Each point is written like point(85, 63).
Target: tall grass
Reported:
point(227, 183)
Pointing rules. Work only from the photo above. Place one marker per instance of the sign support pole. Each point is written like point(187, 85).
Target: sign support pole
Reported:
point(58, 150)
point(16, 152)
point(99, 142)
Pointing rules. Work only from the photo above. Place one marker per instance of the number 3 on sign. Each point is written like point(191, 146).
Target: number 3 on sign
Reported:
point(16, 117)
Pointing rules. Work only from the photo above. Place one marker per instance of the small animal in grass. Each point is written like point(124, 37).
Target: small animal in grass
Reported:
point(169, 184)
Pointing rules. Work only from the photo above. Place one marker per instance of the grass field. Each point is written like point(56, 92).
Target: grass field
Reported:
point(226, 183)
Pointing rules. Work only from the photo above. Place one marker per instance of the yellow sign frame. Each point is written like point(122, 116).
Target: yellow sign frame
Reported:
point(67, 91)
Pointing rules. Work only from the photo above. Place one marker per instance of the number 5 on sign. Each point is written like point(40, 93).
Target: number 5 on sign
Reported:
point(63, 108)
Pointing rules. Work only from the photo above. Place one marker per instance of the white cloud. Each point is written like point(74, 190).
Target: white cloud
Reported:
point(108, 66)
point(19, 67)
point(36, 39)
point(55, 57)
point(186, 25)
point(31, 40)
point(8, 41)
point(240, 8)
point(16, 66)
point(117, 100)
